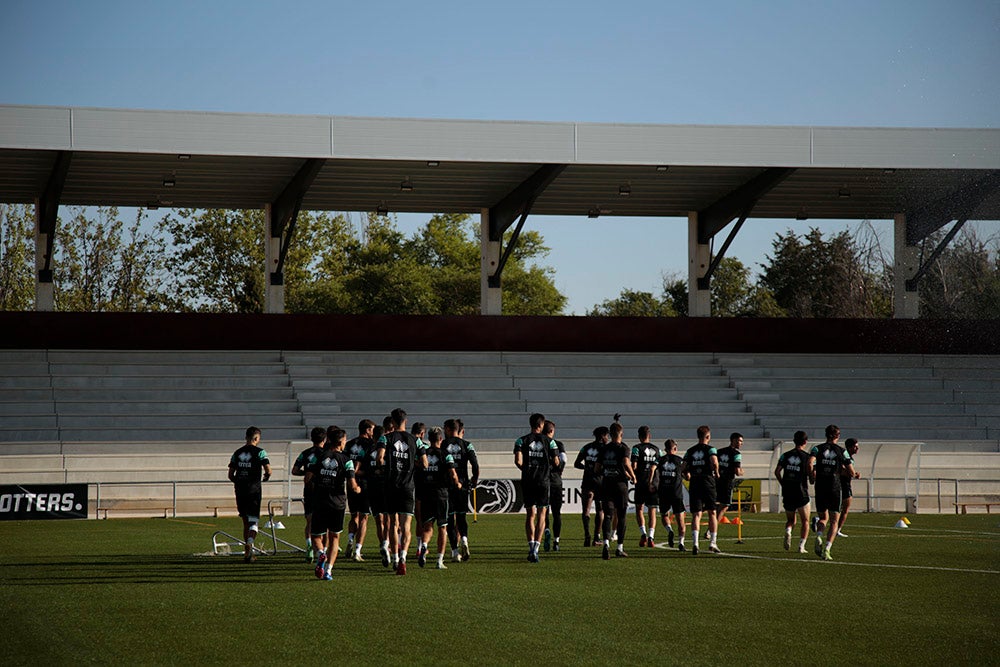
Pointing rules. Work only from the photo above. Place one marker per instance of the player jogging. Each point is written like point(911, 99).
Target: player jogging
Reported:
point(670, 490)
point(793, 473)
point(246, 466)
point(829, 461)
point(437, 468)
point(550, 538)
point(701, 468)
point(330, 475)
point(464, 455)
point(644, 458)
point(590, 487)
point(730, 467)
point(852, 447)
point(358, 449)
point(302, 461)
point(616, 467)
point(535, 455)
point(373, 479)
point(399, 451)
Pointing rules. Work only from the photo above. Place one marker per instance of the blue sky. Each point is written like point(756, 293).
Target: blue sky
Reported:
point(913, 63)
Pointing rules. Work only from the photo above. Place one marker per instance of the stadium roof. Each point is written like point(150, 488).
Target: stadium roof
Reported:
point(233, 160)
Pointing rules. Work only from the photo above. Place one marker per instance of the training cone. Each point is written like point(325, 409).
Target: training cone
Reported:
point(901, 524)
point(737, 521)
point(906, 521)
point(725, 519)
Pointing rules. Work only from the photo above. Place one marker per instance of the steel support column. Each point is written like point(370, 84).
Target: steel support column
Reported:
point(280, 217)
point(46, 217)
point(699, 258)
point(490, 297)
point(906, 303)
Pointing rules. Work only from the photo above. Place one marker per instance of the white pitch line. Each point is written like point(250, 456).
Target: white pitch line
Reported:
point(883, 565)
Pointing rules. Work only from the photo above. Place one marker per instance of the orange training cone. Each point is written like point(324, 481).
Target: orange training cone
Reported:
point(737, 521)
point(725, 519)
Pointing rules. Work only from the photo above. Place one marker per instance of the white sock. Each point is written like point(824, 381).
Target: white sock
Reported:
point(711, 538)
point(465, 540)
point(385, 545)
point(670, 529)
point(350, 537)
point(357, 549)
point(696, 537)
point(440, 559)
point(788, 530)
point(651, 531)
point(829, 544)
point(642, 530)
point(802, 543)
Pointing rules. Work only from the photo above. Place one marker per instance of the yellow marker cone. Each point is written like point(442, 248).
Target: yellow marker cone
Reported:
point(906, 521)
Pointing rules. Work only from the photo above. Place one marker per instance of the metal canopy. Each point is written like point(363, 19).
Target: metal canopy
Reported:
point(215, 160)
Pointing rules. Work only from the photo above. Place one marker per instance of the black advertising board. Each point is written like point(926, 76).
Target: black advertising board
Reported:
point(43, 501)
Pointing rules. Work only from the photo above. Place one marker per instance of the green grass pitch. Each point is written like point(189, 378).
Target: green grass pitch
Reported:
point(134, 591)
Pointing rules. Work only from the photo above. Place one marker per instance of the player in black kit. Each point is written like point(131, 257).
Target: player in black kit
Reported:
point(464, 454)
point(330, 475)
point(302, 461)
point(550, 539)
point(829, 461)
point(644, 458)
point(730, 467)
point(671, 490)
point(358, 449)
point(246, 466)
point(701, 468)
point(794, 473)
point(398, 452)
point(437, 468)
point(616, 468)
point(535, 455)
point(852, 447)
point(590, 487)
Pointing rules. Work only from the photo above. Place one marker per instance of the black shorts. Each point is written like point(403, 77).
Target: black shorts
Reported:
point(399, 500)
point(615, 497)
point(643, 496)
point(592, 486)
point(793, 500)
point(358, 502)
point(307, 501)
point(555, 497)
point(672, 501)
point(536, 494)
point(702, 494)
point(828, 500)
point(248, 502)
point(328, 519)
point(845, 489)
point(376, 498)
point(434, 506)
point(724, 491)
point(458, 500)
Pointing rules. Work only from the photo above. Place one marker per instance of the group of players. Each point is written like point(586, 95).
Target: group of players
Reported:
point(394, 474)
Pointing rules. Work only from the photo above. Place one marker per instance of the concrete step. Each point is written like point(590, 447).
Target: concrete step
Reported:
point(892, 410)
point(190, 421)
point(235, 380)
point(853, 420)
point(636, 408)
point(613, 360)
point(662, 394)
point(232, 432)
point(622, 373)
point(972, 384)
point(174, 407)
point(163, 356)
point(366, 358)
point(398, 371)
point(418, 407)
point(614, 383)
point(417, 382)
point(823, 360)
point(11, 408)
point(834, 384)
point(823, 373)
point(159, 370)
point(187, 395)
point(24, 382)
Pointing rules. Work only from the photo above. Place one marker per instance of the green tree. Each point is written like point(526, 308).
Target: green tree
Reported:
point(631, 303)
point(964, 281)
point(100, 265)
point(816, 277)
point(17, 257)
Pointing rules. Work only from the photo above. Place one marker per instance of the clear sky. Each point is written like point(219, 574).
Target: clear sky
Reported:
point(887, 63)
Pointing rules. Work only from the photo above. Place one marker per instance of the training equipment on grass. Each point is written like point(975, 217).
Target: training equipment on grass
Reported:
point(902, 523)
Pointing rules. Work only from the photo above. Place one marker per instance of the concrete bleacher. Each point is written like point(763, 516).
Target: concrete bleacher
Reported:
point(872, 397)
point(120, 396)
point(173, 417)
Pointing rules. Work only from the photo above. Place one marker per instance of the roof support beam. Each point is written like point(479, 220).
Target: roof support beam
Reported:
point(911, 283)
point(517, 203)
point(705, 282)
point(959, 205)
point(714, 218)
point(521, 198)
point(48, 211)
point(285, 213)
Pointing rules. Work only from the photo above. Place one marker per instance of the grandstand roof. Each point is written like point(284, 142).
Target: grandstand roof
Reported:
point(234, 160)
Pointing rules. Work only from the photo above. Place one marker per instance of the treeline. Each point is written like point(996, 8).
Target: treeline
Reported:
point(843, 275)
point(213, 261)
